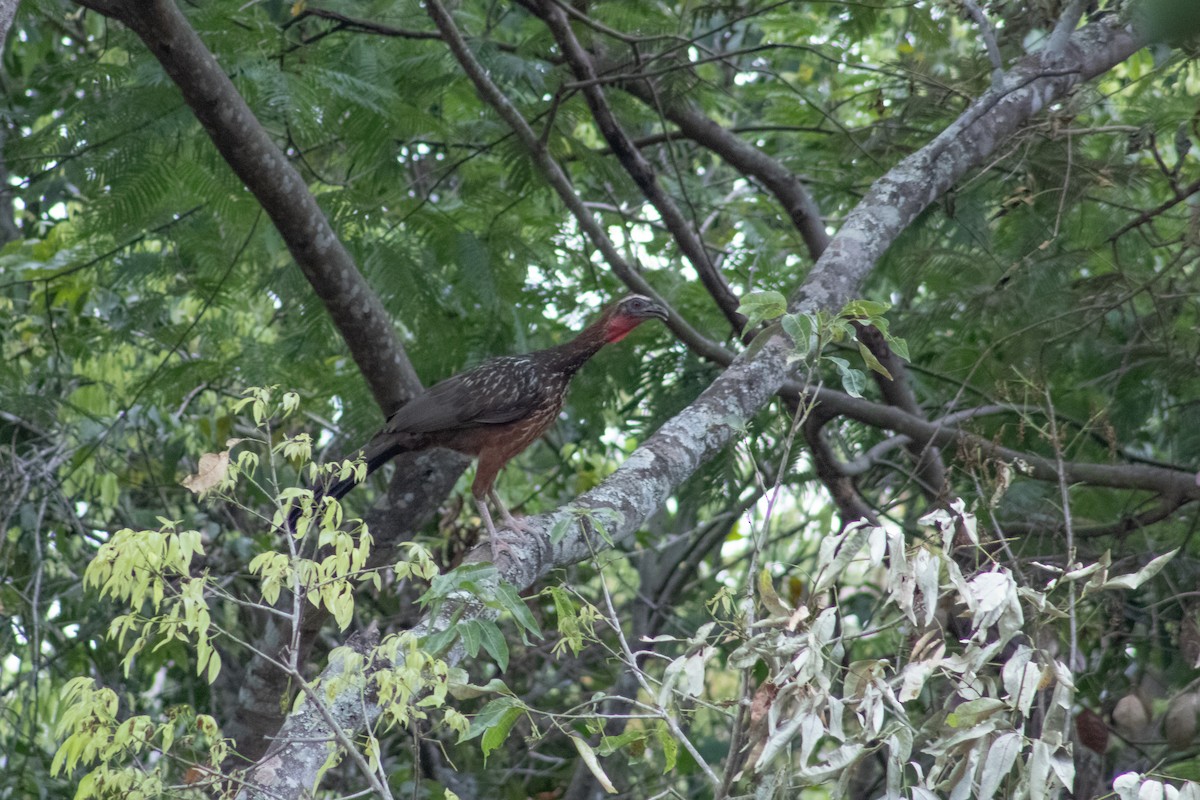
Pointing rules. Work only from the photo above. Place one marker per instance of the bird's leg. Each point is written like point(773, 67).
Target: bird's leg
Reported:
point(509, 520)
point(486, 516)
point(498, 546)
point(490, 462)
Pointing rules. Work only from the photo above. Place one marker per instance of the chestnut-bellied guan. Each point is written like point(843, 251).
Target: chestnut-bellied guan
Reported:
point(497, 409)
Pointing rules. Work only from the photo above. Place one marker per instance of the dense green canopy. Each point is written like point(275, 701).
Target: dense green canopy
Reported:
point(921, 257)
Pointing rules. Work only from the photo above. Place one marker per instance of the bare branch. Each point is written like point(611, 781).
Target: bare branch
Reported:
point(362, 25)
point(787, 188)
point(897, 391)
point(638, 168)
point(1146, 216)
point(895, 200)
point(558, 180)
point(1065, 26)
point(838, 481)
point(1170, 483)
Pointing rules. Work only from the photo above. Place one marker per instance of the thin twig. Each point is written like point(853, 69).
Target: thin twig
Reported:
point(558, 180)
point(1065, 498)
point(668, 720)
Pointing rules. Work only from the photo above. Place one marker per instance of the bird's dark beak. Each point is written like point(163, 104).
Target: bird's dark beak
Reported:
point(656, 311)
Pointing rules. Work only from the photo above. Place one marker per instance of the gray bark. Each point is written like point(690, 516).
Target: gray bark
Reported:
point(648, 477)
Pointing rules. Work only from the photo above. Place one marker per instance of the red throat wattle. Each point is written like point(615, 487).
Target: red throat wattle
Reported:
point(619, 327)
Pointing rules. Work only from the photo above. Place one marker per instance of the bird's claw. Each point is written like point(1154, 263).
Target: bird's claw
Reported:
point(515, 524)
point(501, 548)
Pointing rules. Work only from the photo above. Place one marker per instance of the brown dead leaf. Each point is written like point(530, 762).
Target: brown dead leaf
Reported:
point(211, 472)
point(764, 696)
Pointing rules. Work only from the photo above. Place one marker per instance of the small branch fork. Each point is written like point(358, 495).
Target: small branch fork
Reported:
point(988, 33)
point(554, 174)
point(636, 165)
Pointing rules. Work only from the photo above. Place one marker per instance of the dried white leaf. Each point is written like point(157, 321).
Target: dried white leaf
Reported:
point(1189, 791)
point(1141, 576)
point(1000, 758)
point(927, 570)
point(1126, 785)
point(593, 764)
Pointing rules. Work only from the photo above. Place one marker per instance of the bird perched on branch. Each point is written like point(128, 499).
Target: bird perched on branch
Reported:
point(497, 409)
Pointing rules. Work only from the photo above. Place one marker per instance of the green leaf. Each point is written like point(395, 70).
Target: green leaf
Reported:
point(567, 615)
point(468, 578)
point(440, 642)
point(760, 306)
point(561, 527)
point(858, 309)
point(494, 642)
point(611, 744)
point(971, 712)
point(491, 714)
point(801, 329)
point(471, 636)
point(873, 362)
point(495, 735)
point(510, 601)
point(769, 597)
point(853, 380)
point(669, 745)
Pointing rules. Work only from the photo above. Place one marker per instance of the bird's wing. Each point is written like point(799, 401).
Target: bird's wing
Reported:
point(497, 391)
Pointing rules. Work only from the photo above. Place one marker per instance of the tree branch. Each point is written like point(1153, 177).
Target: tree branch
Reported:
point(356, 310)
point(638, 168)
point(1169, 483)
point(897, 391)
point(988, 33)
point(906, 190)
point(561, 184)
point(781, 182)
point(1065, 25)
point(361, 25)
point(1141, 219)
point(672, 454)
point(838, 481)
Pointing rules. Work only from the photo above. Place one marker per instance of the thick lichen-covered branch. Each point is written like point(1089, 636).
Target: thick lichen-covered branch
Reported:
point(648, 477)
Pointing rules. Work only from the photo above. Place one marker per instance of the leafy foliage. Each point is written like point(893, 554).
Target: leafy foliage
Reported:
point(746, 641)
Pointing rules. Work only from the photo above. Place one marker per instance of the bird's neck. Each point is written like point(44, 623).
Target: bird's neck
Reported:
point(570, 356)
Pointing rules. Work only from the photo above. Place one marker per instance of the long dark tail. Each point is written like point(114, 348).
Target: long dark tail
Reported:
point(380, 450)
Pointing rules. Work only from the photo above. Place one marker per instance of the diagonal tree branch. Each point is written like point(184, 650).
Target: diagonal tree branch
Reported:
point(906, 190)
point(781, 182)
point(423, 479)
point(638, 167)
point(898, 392)
point(672, 454)
point(553, 172)
point(354, 306)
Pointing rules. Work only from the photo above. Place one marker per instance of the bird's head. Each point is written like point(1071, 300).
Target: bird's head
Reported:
point(629, 312)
